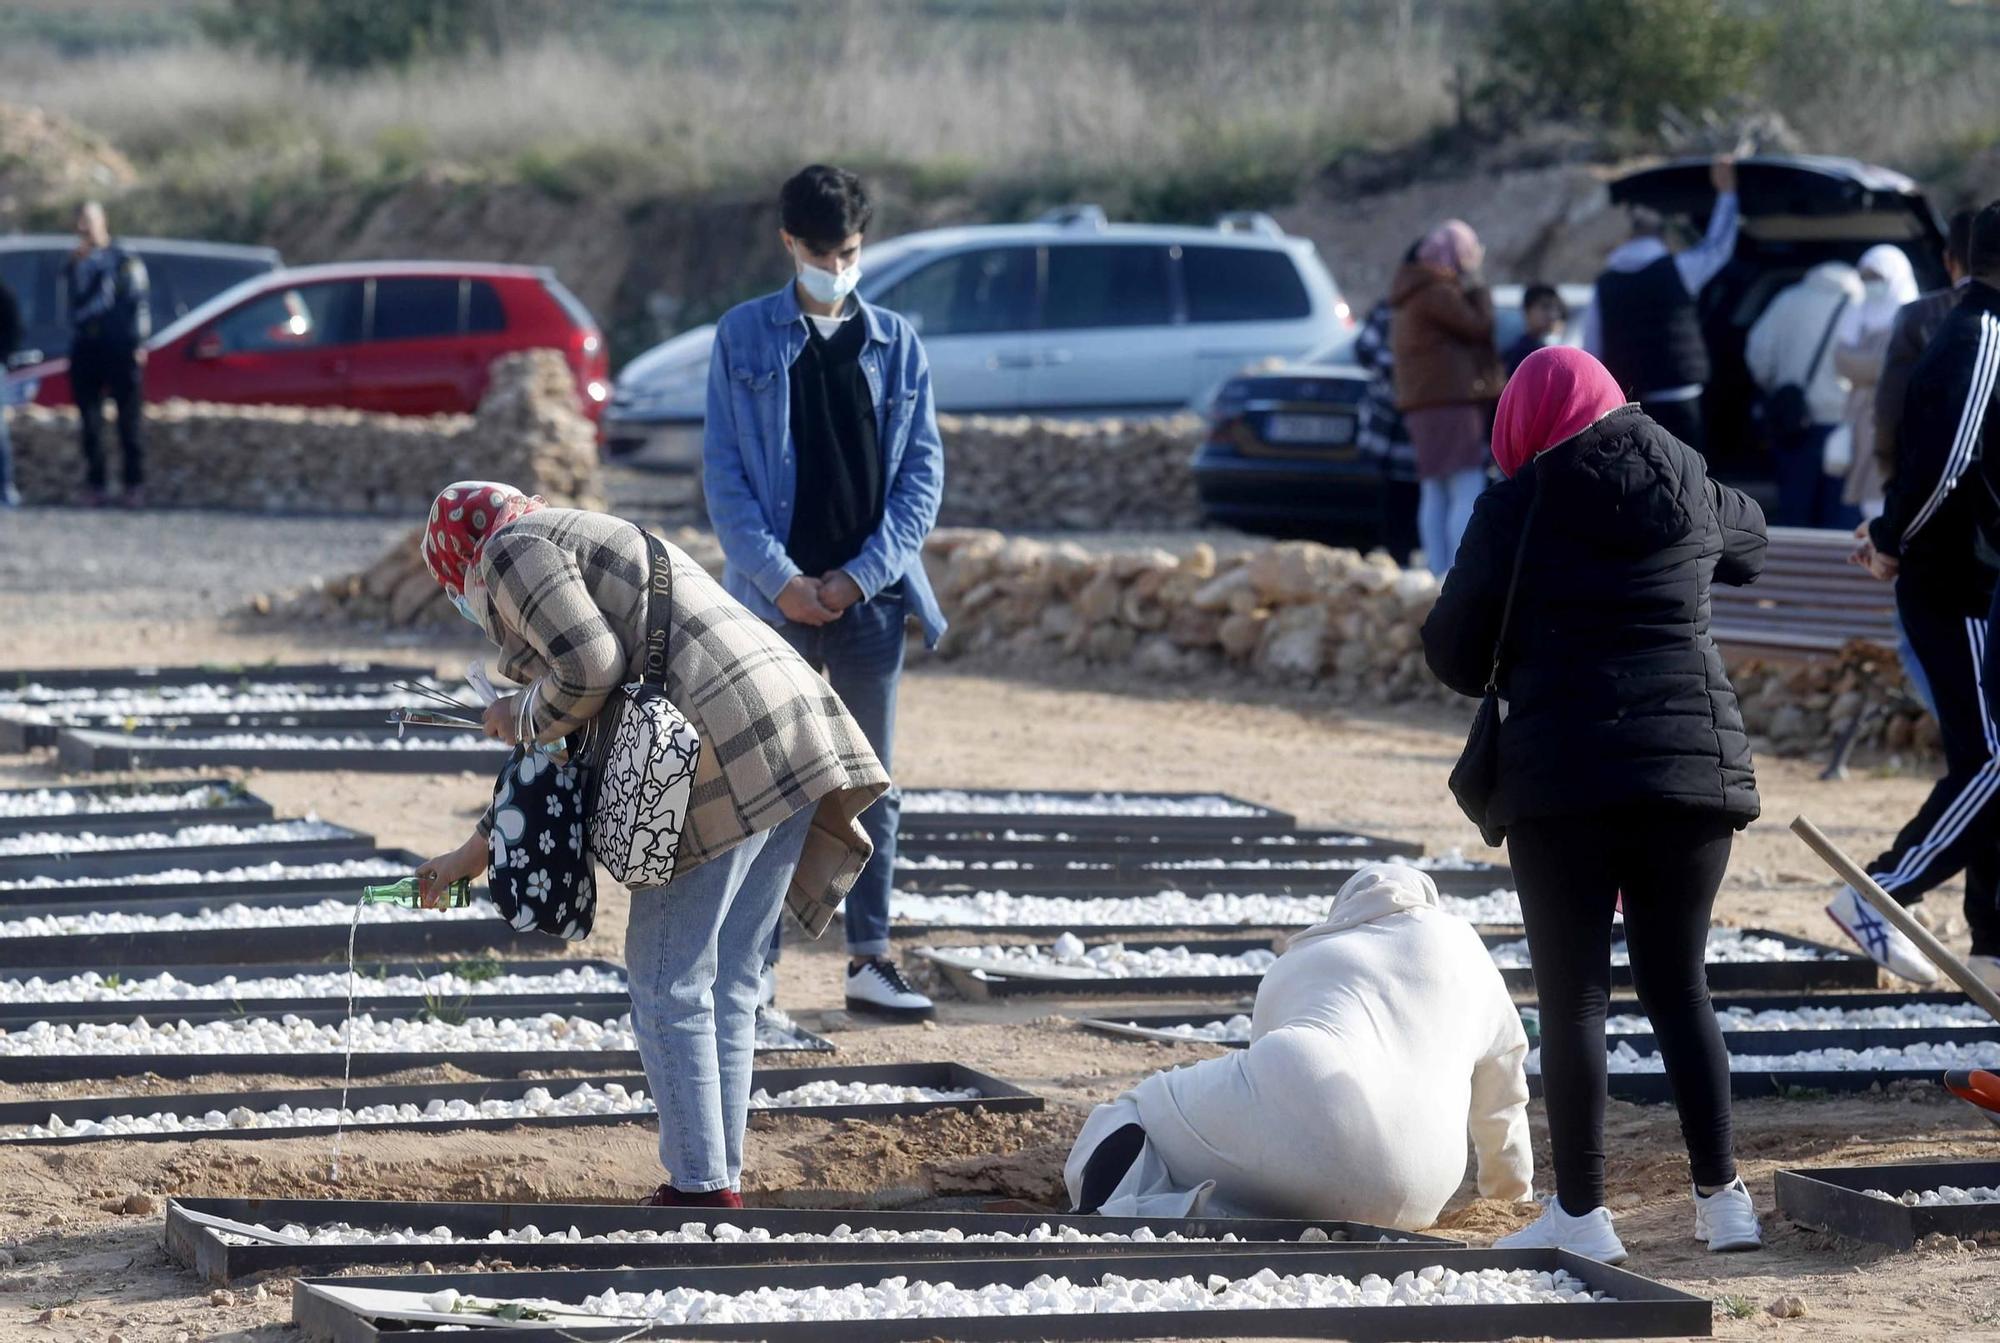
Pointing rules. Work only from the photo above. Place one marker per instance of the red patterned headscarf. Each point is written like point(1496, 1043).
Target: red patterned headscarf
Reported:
point(463, 516)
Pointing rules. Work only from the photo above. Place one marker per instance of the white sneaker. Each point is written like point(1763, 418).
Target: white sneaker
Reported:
point(1726, 1221)
point(1590, 1235)
point(1884, 943)
point(767, 987)
point(877, 988)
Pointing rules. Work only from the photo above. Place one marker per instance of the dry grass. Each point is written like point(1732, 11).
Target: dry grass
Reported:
point(951, 98)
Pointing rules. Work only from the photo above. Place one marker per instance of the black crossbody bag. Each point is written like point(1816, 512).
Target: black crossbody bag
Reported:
point(1476, 776)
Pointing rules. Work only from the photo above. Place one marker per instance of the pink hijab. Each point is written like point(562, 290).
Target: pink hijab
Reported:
point(1451, 246)
point(1554, 395)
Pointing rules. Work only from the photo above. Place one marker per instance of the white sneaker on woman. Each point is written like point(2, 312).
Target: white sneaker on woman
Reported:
point(1881, 940)
point(1726, 1221)
point(1590, 1235)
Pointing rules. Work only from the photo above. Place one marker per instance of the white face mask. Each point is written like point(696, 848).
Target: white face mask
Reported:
point(825, 286)
point(1875, 291)
point(464, 605)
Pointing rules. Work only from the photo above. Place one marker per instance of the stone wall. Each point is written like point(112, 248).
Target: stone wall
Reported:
point(1293, 613)
point(1039, 474)
point(527, 432)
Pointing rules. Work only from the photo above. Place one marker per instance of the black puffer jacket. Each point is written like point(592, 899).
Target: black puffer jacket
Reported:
point(1615, 694)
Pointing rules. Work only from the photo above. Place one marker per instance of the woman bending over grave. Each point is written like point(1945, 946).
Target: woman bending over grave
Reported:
point(1622, 764)
point(1380, 1038)
point(782, 776)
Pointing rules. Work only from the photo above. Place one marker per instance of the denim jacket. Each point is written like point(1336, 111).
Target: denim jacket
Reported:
point(750, 473)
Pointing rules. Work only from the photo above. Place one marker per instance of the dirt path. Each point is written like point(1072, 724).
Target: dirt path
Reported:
point(1380, 772)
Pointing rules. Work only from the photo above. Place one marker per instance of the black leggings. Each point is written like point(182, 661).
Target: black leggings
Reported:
point(1570, 871)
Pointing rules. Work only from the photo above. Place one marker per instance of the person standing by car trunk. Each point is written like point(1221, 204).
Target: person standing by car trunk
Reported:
point(1790, 357)
point(823, 471)
point(110, 319)
point(1643, 323)
point(1448, 376)
point(1382, 434)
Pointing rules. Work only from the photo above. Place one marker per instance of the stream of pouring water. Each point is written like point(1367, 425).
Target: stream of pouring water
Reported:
point(347, 1033)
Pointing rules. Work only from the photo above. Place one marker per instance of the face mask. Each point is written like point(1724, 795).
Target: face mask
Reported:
point(464, 605)
point(1875, 290)
point(825, 286)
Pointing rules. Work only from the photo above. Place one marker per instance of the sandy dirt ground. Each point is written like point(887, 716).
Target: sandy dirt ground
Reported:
point(80, 1272)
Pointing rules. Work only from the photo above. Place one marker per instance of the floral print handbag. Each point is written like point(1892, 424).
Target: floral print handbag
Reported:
point(540, 872)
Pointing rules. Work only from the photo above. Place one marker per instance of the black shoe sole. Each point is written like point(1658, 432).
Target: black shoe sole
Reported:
point(867, 1009)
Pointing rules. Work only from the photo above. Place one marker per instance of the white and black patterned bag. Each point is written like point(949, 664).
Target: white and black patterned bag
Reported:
point(646, 775)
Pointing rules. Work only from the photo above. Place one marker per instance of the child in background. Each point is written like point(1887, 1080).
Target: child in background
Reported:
point(1546, 316)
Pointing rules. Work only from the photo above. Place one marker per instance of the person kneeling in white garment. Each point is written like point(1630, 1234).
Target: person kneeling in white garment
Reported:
point(1380, 1038)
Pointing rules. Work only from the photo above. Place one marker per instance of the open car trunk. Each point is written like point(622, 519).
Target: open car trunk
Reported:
point(1798, 211)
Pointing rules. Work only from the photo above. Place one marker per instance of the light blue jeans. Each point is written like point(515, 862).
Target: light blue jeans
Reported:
point(693, 952)
point(1444, 510)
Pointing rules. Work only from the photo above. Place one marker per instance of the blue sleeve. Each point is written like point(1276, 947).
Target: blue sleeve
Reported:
point(1704, 261)
point(733, 507)
point(910, 506)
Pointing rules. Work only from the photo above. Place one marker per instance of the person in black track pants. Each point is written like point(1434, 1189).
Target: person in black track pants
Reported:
point(1624, 767)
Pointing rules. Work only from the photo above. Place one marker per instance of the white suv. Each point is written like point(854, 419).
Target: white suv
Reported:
point(1069, 315)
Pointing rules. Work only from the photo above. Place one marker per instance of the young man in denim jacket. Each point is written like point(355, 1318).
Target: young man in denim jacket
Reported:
point(823, 470)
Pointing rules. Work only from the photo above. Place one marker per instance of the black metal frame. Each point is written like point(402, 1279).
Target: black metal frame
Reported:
point(77, 678)
point(245, 808)
point(1841, 972)
point(70, 899)
point(996, 1095)
point(1829, 1198)
point(204, 1251)
point(1653, 1089)
point(19, 734)
point(1267, 821)
point(127, 862)
point(1641, 1308)
point(13, 1016)
point(87, 752)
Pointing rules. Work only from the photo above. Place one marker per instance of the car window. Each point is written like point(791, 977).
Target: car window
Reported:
point(1106, 284)
point(415, 307)
point(300, 318)
point(180, 284)
point(968, 292)
point(484, 311)
point(1242, 284)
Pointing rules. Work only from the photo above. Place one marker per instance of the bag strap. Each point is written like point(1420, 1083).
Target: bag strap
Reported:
point(1825, 339)
point(659, 610)
point(1513, 585)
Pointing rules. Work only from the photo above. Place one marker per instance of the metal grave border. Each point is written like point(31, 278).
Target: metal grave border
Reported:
point(1830, 1198)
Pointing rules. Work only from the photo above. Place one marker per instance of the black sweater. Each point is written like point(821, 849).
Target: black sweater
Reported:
point(837, 501)
point(1615, 694)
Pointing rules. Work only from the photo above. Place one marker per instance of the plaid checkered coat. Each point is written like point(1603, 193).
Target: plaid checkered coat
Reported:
point(566, 600)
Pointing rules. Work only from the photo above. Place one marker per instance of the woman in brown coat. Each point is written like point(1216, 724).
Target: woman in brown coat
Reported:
point(1448, 376)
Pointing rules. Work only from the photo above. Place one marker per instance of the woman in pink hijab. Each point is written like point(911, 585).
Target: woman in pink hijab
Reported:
point(1623, 765)
point(1447, 375)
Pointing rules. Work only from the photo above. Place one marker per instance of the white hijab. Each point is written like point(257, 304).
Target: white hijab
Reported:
point(1375, 892)
point(1877, 311)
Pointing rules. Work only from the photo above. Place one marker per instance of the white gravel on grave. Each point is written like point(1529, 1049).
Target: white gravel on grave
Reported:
point(216, 700)
point(1622, 1058)
point(1140, 843)
point(907, 1298)
point(187, 876)
point(1908, 1016)
point(231, 916)
point(536, 1103)
point(1160, 909)
point(1233, 1031)
point(365, 1033)
point(186, 837)
point(293, 741)
point(221, 689)
point(932, 862)
point(92, 987)
point(1725, 946)
point(1944, 1196)
point(1068, 958)
point(51, 803)
point(722, 1233)
point(954, 801)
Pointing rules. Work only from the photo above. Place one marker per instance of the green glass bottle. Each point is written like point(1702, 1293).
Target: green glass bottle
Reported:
point(405, 892)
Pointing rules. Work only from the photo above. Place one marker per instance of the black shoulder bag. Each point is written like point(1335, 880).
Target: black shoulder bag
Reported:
point(1476, 776)
point(1786, 410)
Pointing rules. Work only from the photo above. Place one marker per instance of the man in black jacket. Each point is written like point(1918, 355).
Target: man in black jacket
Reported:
point(1935, 538)
point(110, 319)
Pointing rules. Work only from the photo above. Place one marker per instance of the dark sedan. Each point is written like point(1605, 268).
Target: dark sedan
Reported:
point(1282, 455)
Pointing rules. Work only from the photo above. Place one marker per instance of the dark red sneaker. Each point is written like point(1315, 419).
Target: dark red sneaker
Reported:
point(666, 1196)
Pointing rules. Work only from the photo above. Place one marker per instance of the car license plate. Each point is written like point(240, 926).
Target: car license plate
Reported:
point(1291, 428)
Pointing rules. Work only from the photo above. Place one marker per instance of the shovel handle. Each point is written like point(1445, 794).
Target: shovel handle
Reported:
point(1885, 904)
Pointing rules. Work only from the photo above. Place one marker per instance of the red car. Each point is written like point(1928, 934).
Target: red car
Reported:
point(405, 338)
